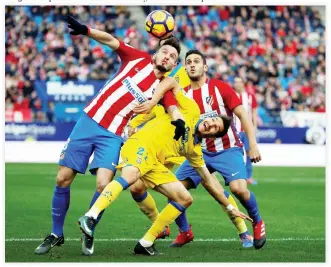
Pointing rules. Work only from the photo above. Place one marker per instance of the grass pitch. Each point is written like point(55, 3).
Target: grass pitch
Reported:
point(291, 202)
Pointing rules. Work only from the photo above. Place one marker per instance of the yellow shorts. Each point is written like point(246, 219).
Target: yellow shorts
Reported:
point(152, 171)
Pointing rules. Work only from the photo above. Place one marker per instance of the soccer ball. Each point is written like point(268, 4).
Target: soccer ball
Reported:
point(160, 24)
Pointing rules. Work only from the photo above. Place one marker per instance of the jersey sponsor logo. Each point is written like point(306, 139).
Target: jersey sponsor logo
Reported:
point(209, 114)
point(134, 90)
point(210, 100)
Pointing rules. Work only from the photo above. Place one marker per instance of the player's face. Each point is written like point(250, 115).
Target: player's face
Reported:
point(166, 58)
point(238, 84)
point(194, 66)
point(209, 127)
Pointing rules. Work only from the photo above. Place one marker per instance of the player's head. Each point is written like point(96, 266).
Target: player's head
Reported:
point(214, 127)
point(239, 84)
point(195, 65)
point(166, 56)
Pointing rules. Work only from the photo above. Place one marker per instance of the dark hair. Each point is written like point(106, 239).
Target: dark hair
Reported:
point(227, 123)
point(196, 52)
point(172, 41)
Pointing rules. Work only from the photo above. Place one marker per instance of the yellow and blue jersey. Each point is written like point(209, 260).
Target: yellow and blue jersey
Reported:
point(180, 76)
point(153, 145)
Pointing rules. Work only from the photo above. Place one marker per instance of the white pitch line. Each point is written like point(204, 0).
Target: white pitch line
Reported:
point(13, 239)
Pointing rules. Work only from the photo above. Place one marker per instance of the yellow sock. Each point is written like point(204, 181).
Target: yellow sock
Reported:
point(238, 222)
point(108, 195)
point(166, 217)
point(147, 205)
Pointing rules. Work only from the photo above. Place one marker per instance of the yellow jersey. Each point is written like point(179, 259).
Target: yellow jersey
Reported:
point(180, 76)
point(153, 146)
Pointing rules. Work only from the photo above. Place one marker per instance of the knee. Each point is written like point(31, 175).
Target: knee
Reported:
point(64, 177)
point(137, 190)
point(101, 184)
point(186, 200)
point(131, 174)
point(239, 191)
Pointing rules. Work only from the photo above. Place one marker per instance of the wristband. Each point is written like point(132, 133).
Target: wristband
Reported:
point(88, 31)
point(229, 207)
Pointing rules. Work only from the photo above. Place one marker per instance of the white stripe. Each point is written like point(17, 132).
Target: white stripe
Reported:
point(130, 106)
point(14, 239)
point(293, 180)
point(207, 108)
point(113, 98)
point(110, 83)
point(223, 111)
point(190, 94)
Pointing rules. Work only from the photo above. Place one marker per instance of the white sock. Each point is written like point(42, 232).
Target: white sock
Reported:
point(92, 214)
point(145, 243)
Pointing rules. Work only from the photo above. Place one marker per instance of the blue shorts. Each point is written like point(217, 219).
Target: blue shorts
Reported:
point(88, 137)
point(244, 139)
point(229, 163)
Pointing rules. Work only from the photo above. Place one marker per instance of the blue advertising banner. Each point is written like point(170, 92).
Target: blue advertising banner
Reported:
point(291, 135)
point(38, 131)
point(70, 91)
point(60, 131)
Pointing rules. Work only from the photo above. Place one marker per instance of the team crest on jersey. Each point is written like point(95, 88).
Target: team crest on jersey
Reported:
point(210, 100)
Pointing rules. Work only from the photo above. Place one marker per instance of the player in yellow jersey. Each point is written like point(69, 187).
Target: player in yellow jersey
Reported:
point(146, 202)
point(143, 157)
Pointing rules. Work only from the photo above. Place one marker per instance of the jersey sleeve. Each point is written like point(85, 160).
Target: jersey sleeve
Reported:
point(169, 100)
point(229, 96)
point(140, 119)
point(187, 105)
point(127, 52)
point(196, 157)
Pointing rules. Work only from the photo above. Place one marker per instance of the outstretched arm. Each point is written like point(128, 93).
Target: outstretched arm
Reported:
point(100, 36)
point(167, 84)
point(215, 189)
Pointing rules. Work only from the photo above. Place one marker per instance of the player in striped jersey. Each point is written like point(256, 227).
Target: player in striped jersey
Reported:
point(249, 103)
point(143, 159)
point(146, 202)
point(224, 155)
point(100, 128)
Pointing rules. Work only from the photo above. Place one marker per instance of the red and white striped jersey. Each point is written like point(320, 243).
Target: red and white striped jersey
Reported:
point(112, 106)
point(213, 98)
point(249, 102)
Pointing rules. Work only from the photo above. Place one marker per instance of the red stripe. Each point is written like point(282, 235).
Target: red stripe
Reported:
point(123, 124)
point(211, 147)
point(236, 137)
point(122, 102)
point(115, 86)
point(108, 91)
point(197, 96)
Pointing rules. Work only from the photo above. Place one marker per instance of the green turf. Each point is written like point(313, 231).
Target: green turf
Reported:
point(291, 201)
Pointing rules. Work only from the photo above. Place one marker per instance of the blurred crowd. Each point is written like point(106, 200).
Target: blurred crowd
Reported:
point(39, 47)
point(279, 51)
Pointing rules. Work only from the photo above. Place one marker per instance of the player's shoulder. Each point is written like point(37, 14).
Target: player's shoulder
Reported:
point(132, 51)
point(219, 83)
point(223, 87)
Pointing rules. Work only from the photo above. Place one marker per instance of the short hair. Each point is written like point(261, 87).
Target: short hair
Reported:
point(227, 123)
point(172, 41)
point(196, 52)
